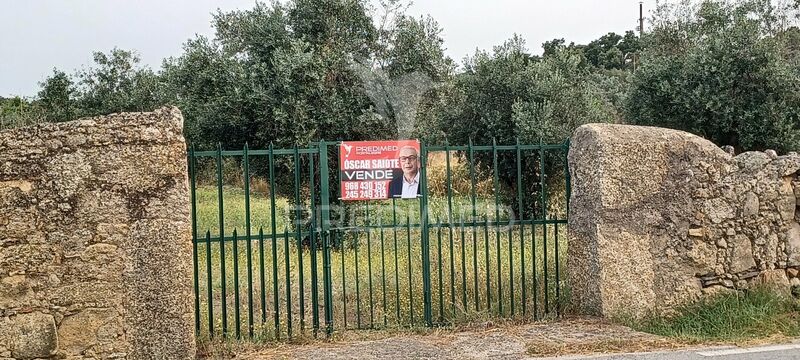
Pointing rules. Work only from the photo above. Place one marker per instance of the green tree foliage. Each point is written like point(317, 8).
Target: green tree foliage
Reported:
point(296, 72)
point(609, 52)
point(511, 94)
point(724, 72)
point(612, 50)
point(57, 97)
point(16, 112)
point(116, 82)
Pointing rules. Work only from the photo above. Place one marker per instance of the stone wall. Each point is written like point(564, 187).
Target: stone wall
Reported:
point(95, 244)
point(661, 217)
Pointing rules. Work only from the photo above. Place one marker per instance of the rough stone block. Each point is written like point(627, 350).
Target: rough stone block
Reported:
point(774, 280)
point(742, 258)
point(625, 181)
point(654, 212)
point(95, 243)
point(79, 332)
point(14, 291)
point(34, 336)
point(793, 244)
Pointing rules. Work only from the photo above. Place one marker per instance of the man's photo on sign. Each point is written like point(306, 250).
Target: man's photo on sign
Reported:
point(406, 183)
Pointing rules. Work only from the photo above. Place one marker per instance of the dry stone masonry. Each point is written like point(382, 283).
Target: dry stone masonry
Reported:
point(661, 217)
point(95, 244)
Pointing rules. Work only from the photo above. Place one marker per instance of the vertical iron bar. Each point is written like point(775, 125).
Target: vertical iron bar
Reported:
point(521, 227)
point(488, 263)
point(452, 273)
point(543, 191)
point(222, 242)
point(325, 221)
point(274, 230)
point(356, 245)
point(496, 185)
point(439, 262)
point(535, 282)
point(396, 266)
point(511, 266)
point(193, 177)
point(568, 192)
point(463, 264)
point(299, 240)
point(475, 265)
point(236, 313)
point(450, 227)
point(261, 275)
point(425, 246)
point(471, 154)
point(383, 266)
point(410, 283)
point(209, 287)
point(288, 283)
point(344, 281)
point(249, 242)
point(312, 236)
point(369, 268)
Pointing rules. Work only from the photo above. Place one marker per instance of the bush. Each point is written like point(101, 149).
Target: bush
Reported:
point(721, 72)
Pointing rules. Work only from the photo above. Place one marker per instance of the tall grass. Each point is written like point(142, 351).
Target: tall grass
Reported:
point(377, 279)
point(729, 317)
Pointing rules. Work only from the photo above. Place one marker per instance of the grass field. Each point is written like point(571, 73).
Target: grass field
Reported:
point(755, 314)
point(476, 274)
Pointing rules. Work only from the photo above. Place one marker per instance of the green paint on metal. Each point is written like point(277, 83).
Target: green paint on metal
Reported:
point(299, 239)
point(496, 186)
point(193, 178)
point(383, 272)
point(543, 192)
point(273, 230)
point(356, 245)
point(439, 263)
point(246, 163)
point(237, 308)
point(209, 286)
point(369, 271)
point(410, 283)
point(463, 265)
point(288, 283)
point(520, 214)
point(426, 255)
point(326, 251)
point(313, 240)
point(306, 234)
point(223, 276)
point(262, 279)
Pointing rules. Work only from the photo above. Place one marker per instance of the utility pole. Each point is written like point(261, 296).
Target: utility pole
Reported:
point(641, 19)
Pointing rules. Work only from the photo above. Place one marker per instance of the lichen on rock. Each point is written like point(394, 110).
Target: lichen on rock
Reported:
point(695, 213)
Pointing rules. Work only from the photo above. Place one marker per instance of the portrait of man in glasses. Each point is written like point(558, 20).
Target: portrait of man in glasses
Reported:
point(406, 185)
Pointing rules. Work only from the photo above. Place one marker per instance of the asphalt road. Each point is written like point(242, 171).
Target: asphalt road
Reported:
point(769, 352)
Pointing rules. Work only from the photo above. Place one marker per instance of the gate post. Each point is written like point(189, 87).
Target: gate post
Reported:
point(325, 221)
point(426, 261)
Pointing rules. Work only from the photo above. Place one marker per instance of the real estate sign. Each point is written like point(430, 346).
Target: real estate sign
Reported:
point(379, 169)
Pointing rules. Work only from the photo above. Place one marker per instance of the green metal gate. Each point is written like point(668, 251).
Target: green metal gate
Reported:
point(275, 249)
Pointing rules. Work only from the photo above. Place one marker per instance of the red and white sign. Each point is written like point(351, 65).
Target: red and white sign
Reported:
point(376, 169)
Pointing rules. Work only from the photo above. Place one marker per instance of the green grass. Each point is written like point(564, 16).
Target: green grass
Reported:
point(395, 273)
point(729, 317)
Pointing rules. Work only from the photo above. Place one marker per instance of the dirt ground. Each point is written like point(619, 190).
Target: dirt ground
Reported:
point(543, 339)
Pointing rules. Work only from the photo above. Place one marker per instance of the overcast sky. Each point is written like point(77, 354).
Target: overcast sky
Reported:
point(37, 35)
